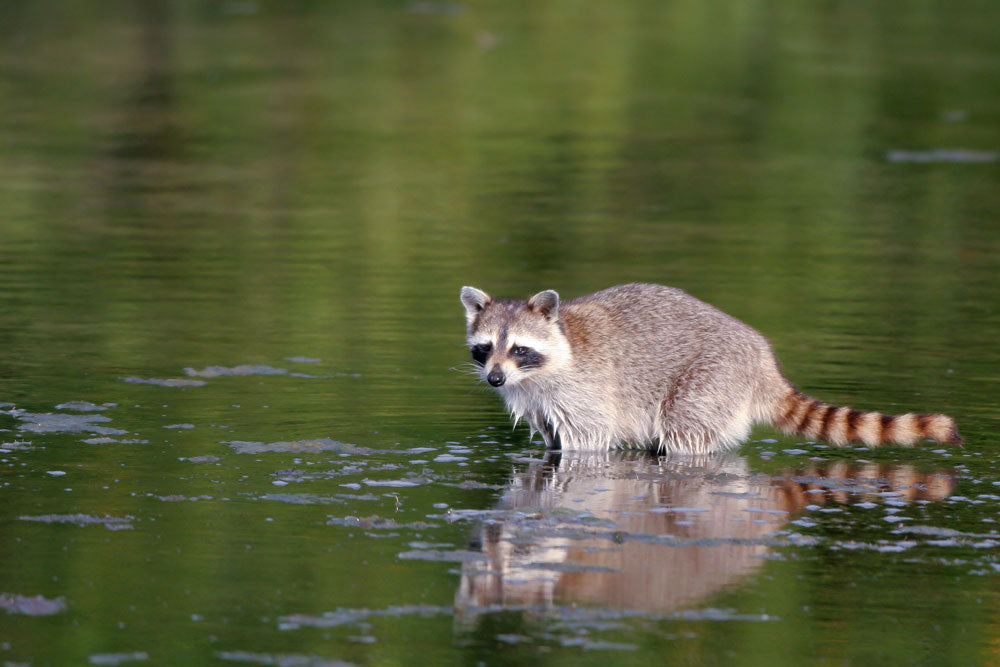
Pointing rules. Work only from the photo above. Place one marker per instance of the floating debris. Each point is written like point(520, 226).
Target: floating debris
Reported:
point(177, 498)
point(883, 547)
point(456, 556)
point(301, 498)
point(117, 658)
point(340, 616)
point(449, 458)
point(244, 369)
point(958, 156)
point(16, 446)
point(199, 459)
point(596, 644)
point(180, 426)
point(31, 606)
point(929, 530)
point(399, 483)
point(713, 614)
point(168, 382)
point(416, 544)
point(108, 521)
point(297, 446)
point(303, 360)
point(376, 522)
point(55, 422)
point(84, 406)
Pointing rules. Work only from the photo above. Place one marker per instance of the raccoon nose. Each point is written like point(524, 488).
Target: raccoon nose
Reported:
point(496, 377)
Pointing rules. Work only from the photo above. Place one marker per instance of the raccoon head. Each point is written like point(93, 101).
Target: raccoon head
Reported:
point(514, 341)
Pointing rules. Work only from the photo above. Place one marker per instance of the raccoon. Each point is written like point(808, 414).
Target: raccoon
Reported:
point(554, 559)
point(651, 366)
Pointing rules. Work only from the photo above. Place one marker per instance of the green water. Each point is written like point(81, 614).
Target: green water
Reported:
point(277, 204)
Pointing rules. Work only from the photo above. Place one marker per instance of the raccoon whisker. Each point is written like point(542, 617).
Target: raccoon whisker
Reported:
point(468, 369)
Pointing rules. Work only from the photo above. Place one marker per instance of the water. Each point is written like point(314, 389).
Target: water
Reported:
point(234, 427)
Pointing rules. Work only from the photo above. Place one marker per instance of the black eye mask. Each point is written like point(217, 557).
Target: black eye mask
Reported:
point(481, 352)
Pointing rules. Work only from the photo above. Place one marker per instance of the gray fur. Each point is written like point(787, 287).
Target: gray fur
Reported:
point(546, 303)
point(634, 365)
point(474, 301)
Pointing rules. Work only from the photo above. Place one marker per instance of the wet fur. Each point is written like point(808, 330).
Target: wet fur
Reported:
point(647, 365)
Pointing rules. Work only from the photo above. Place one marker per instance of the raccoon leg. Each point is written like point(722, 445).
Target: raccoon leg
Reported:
point(549, 435)
point(552, 440)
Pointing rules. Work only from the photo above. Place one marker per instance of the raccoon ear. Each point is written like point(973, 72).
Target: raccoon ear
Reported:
point(546, 303)
point(474, 301)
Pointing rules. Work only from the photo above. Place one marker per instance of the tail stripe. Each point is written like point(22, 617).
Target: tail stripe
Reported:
point(887, 421)
point(923, 421)
point(828, 416)
point(853, 417)
point(804, 419)
point(817, 420)
point(792, 404)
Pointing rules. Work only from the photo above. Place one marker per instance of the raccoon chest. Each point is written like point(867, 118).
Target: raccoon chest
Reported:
point(581, 417)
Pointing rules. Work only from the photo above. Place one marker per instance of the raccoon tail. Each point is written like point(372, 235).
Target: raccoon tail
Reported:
point(798, 413)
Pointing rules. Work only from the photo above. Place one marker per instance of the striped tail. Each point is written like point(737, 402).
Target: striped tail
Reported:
point(798, 413)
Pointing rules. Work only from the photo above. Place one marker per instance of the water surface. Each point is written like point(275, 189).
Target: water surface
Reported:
point(233, 422)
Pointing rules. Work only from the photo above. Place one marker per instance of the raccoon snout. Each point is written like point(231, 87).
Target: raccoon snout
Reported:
point(496, 377)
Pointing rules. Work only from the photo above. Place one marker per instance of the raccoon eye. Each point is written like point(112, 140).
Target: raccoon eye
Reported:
point(520, 351)
point(481, 352)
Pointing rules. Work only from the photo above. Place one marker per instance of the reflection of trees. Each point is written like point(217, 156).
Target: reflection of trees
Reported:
point(364, 150)
point(636, 532)
point(145, 130)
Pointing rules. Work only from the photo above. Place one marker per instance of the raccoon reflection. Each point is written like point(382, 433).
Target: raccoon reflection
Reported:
point(627, 530)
